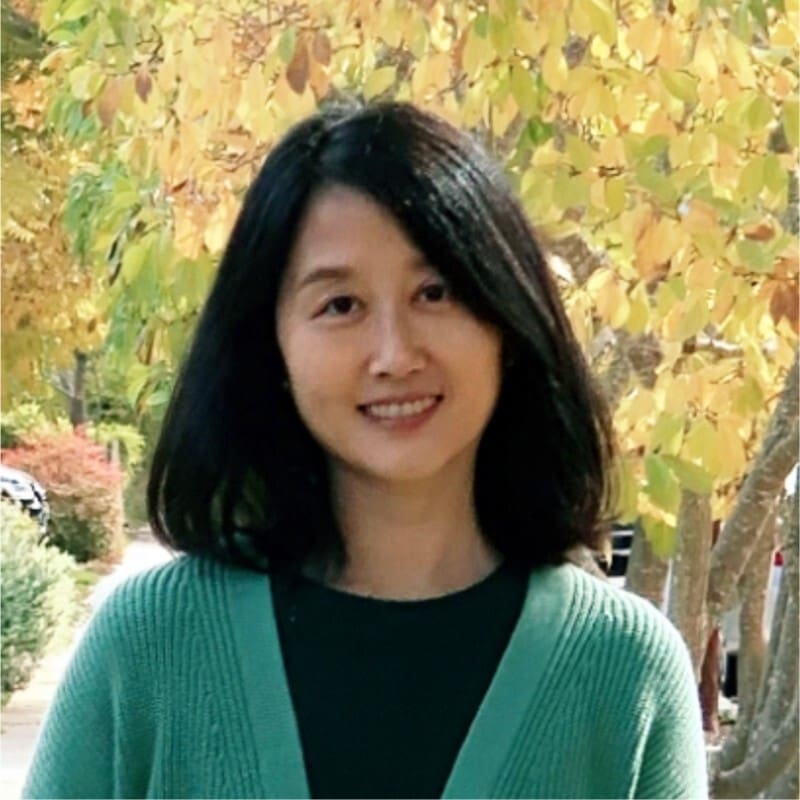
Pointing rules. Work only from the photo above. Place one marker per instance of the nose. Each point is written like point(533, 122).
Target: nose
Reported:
point(396, 349)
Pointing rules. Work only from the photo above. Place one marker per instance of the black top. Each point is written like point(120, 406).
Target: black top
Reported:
point(385, 691)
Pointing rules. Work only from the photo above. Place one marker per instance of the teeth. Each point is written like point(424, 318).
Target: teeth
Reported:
point(397, 410)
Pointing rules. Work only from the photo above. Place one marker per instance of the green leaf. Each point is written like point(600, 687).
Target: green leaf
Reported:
point(660, 535)
point(481, 25)
point(679, 84)
point(581, 155)
point(668, 432)
point(694, 320)
point(616, 195)
point(76, 9)
point(651, 179)
point(775, 177)
point(379, 81)
point(750, 397)
point(755, 255)
point(286, 44)
point(759, 12)
point(539, 131)
point(501, 36)
point(751, 180)
point(791, 115)
point(133, 260)
point(524, 90)
point(604, 21)
point(691, 476)
point(759, 113)
point(662, 486)
point(628, 490)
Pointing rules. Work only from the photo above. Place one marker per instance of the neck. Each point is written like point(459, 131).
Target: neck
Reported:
point(411, 540)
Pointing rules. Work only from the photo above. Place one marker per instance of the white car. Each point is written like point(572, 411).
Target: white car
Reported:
point(20, 488)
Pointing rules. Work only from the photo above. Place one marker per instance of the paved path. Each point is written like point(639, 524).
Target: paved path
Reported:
point(23, 715)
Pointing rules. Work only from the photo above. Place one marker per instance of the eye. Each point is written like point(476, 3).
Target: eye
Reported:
point(339, 306)
point(435, 292)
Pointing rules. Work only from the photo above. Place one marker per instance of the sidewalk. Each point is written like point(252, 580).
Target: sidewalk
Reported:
point(23, 715)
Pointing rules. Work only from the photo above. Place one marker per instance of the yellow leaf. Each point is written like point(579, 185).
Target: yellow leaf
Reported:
point(644, 36)
point(702, 445)
point(478, 52)
point(528, 37)
point(523, 87)
point(603, 20)
point(581, 155)
point(733, 457)
point(220, 223)
point(639, 315)
point(705, 58)
point(554, 69)
point(502, 115)
point(679, 84)
point(670, 47)
point(432, 72)
point(702, 274)
point(791, 121)
point(610, 299)
point(694, 319)
point(379, 81)
point(739, 61)
point(703, 147)
point(501, 36)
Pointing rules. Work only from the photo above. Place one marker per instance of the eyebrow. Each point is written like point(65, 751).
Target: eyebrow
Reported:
point(324, 274)
point(341, 271)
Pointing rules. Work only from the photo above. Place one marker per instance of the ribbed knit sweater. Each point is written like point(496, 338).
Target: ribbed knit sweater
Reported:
point(178, 689)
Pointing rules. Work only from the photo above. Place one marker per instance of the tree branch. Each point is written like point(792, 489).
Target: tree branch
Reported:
point(777, 457)
point(689, 573)
point(758, 772)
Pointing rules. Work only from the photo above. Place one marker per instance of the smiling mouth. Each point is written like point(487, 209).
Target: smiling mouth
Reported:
point(400, 411)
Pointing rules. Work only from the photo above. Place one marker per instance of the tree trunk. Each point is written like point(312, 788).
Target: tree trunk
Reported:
point(709, 684)
point(690, 573)
point(787, 787)
point(646, 574)
point(752, 647)
point(759, 771)
point(77, 402)
point(772, 739)
point(764, 482)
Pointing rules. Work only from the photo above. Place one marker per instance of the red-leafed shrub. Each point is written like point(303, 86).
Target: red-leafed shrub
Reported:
point(84, 491)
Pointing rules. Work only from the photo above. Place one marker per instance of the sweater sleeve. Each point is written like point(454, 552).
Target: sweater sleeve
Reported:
point(674, 761)
point(78, 753)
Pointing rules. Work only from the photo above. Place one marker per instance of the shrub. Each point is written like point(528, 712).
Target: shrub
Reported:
point(27, 420)
point(84, 491)
point(37, 592)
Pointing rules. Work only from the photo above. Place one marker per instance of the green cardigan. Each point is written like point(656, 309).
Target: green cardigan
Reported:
point(178, 690)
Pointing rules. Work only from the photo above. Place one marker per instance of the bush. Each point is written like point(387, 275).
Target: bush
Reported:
point(84, 491)
point(37, 592)
point(28, 420)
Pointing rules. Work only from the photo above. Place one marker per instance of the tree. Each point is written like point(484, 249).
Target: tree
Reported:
point(49, 310)
point(654, 145)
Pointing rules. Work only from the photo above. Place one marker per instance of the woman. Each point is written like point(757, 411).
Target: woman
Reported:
point(382, 444)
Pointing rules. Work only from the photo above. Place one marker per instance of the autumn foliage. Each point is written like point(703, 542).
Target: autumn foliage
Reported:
point(83, 489)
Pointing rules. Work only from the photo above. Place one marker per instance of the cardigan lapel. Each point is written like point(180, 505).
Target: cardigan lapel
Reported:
point(507, 703)
point(272, 718)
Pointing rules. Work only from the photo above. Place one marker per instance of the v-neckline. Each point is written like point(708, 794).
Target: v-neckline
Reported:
point(499, 717)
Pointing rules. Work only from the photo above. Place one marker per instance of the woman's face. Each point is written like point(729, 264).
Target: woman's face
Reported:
point(393, 378)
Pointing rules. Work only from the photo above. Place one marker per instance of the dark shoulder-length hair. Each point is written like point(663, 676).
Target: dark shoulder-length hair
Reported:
point(236, 474)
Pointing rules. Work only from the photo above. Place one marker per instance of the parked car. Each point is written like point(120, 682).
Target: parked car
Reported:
point(20, 488)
